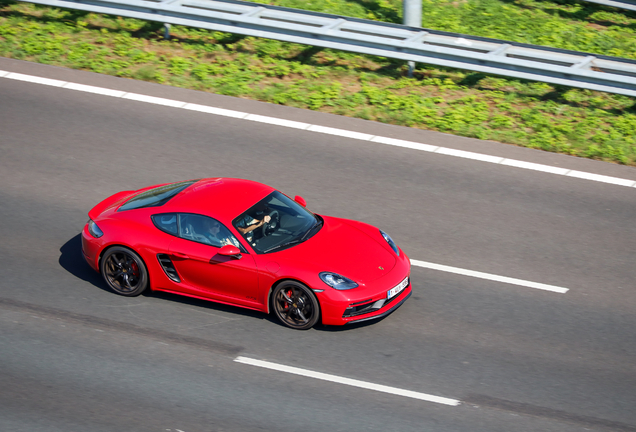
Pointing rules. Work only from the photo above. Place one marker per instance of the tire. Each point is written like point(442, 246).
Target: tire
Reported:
point(124, 271)
point(295, 305)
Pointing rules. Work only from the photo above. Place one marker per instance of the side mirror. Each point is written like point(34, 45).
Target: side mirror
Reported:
point(300, 200)
point(231, 251)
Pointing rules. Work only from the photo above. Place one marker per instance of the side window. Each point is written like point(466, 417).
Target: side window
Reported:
point(166, 222)
point(206, 230)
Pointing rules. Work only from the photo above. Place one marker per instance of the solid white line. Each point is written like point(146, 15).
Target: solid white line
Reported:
point(469, 155)
point(347, 381)
point(600, 178)
point(491, 277)
point(340, 132)
point(34, 79)
point(216, 111)
point(277, 121)
point(154, 100)
point(93, 89)
point(325, 130)
point(534, 166)
point(405, 144)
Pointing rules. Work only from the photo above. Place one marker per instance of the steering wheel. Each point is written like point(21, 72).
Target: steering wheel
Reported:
point(272, 225)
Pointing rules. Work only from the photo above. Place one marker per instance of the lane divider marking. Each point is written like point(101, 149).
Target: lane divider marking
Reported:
point(489, 276)
point(347, 381)
point(322, 129)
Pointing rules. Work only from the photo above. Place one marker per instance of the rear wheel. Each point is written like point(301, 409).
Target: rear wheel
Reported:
point(124, 271)
point(295, 305)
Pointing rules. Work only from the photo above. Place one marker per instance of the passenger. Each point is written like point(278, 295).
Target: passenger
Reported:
point(215, 234)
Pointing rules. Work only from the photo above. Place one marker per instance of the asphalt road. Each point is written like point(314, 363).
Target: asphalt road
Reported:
point(75, 357)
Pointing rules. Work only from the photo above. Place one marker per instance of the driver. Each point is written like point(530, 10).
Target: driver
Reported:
point(247, 223)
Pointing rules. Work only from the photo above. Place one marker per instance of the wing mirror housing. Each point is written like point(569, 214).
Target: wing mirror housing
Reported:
point(300, 200)
point(230, 251)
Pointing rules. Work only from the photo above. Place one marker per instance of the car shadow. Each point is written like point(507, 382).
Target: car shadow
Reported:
point(72, 261)
point(236, 310)
point(209, 305)
point(348, 327)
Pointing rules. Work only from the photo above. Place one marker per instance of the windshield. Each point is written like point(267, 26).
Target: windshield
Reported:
point(276, 223)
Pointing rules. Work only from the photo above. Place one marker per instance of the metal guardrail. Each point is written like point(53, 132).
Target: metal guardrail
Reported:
point(622, 4)
point(498, 57)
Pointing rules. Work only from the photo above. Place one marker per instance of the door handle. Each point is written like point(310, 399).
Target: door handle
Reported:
point(180, 255)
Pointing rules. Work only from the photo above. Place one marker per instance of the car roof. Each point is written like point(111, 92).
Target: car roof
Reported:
point(222, 198)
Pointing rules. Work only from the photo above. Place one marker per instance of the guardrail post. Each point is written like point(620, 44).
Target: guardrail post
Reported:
point(412, 12)
point(166, 31)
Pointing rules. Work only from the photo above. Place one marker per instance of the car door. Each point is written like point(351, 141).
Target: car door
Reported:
point(207, 273)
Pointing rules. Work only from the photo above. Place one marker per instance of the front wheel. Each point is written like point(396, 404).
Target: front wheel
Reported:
point(124, 271)
point(295, 305)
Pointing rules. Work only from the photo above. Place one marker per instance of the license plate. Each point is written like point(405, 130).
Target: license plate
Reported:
point(398, 289)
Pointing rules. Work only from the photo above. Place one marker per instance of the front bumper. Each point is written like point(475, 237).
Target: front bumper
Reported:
point(368, 302)
point(384, 313)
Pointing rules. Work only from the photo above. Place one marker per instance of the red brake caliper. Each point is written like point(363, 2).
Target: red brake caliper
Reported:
point(135, 269)
point(289, 295)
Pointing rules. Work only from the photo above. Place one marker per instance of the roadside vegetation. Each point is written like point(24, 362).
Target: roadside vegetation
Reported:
point(531, 114)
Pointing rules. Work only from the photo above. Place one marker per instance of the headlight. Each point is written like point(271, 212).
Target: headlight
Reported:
point(336, 281)
point(94, 229)
point(390, 241)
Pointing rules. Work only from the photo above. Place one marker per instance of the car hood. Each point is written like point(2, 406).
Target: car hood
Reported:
point(349, 248)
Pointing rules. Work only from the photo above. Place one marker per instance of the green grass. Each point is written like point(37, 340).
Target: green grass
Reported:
point(531, 114)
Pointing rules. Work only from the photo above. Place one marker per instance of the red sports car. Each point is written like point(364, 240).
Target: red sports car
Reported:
point(246, 244)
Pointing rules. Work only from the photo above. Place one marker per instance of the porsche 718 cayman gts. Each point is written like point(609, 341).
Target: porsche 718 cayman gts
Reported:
point(246, 244)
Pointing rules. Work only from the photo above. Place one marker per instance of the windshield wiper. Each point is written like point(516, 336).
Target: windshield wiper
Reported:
point(289, 243)
point(305, 236)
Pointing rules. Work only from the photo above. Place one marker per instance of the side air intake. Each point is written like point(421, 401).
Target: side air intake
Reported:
point(168, 267)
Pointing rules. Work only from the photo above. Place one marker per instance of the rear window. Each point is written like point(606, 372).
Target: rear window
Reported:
point(156, 197)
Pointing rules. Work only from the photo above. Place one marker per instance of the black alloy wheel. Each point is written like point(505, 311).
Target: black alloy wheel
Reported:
point(295, 305)
point(124, 271)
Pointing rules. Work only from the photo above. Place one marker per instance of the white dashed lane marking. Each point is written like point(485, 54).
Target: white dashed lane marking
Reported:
point(347, 381)
point(488, 276)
